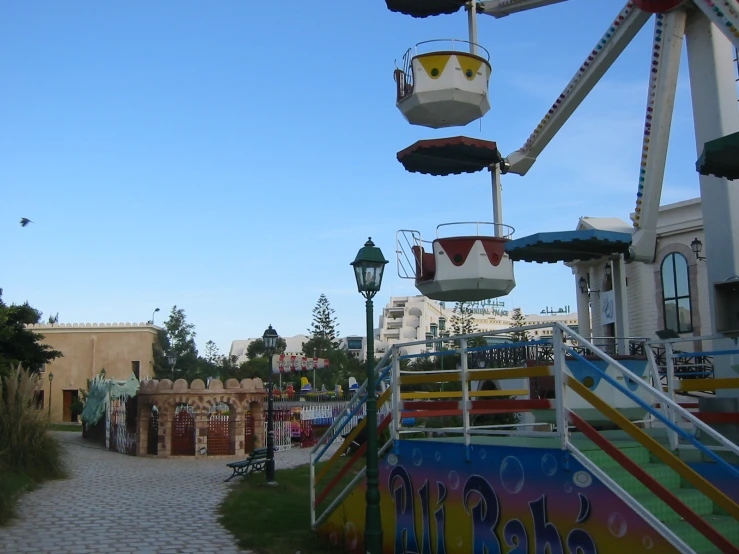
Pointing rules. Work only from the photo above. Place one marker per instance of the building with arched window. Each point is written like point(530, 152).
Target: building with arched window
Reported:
point(616, 299)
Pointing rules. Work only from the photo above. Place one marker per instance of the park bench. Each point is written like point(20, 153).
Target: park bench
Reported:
point(255, 462)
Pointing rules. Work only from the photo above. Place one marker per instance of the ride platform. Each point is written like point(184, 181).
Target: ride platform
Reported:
point(568, 246)
point(425, 8)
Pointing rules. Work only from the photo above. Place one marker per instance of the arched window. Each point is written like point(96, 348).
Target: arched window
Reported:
point(676, 293)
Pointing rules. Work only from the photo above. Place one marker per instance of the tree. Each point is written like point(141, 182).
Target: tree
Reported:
point(19, 345)
point(323, 331)
point(519, 320)
point(463, 322)
point(256, 348)
point(178, 337)
point(212, 356)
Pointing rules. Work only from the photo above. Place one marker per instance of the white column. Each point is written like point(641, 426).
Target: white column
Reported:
point(596, 282)
point(710, 59)
point(621, 304)
point(583, 302)
point(497, 200)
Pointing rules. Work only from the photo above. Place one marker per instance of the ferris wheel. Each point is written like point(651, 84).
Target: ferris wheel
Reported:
point(448, 87)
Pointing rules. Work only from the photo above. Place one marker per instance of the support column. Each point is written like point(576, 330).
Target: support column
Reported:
point(710, 59)
point(583, 303)
point(497, 200)
point(621, 305)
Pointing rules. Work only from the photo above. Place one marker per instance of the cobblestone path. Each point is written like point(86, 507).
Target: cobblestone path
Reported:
point(120, 504)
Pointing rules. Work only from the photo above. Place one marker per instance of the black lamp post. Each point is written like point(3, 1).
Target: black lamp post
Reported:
point(51, 378)
point(368, 268)
point(152, 315)
point(172, 360)
point(697, 247)
point(270, 337)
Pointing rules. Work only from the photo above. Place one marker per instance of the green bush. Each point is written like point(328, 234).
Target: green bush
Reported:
point(26, 446)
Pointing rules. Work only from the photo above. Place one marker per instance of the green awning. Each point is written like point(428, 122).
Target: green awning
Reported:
point(720, 157)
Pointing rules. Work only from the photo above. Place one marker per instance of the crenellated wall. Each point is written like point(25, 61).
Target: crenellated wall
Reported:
point(244, 399)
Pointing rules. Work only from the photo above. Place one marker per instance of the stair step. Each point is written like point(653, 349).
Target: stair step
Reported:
point(635, 452)
point(695, 500)
point(660, 472)
point(727, 526)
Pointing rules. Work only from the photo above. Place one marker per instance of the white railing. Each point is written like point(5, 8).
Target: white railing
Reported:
point(564, 347)
point(500, 230)
point(457, 45)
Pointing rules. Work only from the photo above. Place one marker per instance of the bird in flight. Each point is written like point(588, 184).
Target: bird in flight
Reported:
point(25, 221)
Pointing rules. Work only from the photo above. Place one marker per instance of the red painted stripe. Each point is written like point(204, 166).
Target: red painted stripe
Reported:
point(343, 471)
point(521, 405)
point(647, 480)
point(686, 405)
point(717, 417)
point(428, 405)
point(432, 413)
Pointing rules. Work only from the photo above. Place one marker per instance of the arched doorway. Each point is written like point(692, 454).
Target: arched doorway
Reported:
point(152, 446)
point(183, 431)
point(220, 430)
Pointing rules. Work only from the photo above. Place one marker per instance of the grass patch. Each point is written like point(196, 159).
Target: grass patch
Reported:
point(66, 427)
point(276, 519)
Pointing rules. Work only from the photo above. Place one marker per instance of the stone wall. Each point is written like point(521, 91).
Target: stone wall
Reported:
point(244, 398)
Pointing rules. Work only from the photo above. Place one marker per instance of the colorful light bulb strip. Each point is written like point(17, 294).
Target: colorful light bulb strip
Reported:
point(724, 13)
point(659, 26)
point(584, 68)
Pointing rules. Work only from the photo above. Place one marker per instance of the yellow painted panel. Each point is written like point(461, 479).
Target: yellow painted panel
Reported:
point(430, 395)
point(708, 384)
point(512, 373)
point(512, 392)
point(667, 457)
point(434, 64)
point(429, 378)
point(470, 66)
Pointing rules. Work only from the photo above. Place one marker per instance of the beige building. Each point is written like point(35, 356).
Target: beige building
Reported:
point(119, 348)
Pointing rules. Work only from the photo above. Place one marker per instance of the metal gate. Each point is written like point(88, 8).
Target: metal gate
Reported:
point(248, 432)
point(282, 429)
point(152, 446)
point(219, 430)
point(183, 431)
point(122, 435)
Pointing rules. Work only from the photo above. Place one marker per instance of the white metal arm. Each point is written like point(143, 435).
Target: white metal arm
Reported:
point(624, 28)
point(502, 8)
point(669, 30)
point(724, 18)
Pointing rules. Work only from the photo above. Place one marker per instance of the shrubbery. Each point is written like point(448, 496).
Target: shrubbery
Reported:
point(29, 454)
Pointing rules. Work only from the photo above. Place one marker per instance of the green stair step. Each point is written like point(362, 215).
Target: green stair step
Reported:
point(660, 472)
point(635, 452)
point(695, 500)
point(727, 526)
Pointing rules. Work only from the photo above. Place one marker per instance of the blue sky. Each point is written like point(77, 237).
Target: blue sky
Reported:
point(231, 157)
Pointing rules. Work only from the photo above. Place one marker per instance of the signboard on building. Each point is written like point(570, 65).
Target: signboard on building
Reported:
point(607, 308)
point(285, 363)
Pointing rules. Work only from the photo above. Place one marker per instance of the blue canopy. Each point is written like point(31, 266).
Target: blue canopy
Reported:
point(568, 246)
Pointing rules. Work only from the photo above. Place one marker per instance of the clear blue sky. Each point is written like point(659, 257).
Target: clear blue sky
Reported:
point(231, 157)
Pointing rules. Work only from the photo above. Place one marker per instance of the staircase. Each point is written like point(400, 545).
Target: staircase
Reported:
point(664, 475)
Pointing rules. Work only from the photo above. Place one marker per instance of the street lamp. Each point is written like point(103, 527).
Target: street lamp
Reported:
point(172, 360)
point(152, 315)
point(51, 378)
point(368, 268)
point(270, 337)
point(697, 247)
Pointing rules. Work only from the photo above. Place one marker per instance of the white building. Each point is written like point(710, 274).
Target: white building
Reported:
point(414, 318)
point(637, 300)
point(355, 345)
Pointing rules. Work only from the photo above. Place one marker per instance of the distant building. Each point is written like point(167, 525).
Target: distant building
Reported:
point(355, 345)
point(414, 318)
point(119, 348)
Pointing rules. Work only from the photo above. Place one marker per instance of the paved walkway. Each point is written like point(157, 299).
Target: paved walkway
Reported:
point(126, 504)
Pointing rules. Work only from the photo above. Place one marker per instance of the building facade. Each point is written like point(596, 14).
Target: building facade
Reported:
point(119, 348)
point(636, 300)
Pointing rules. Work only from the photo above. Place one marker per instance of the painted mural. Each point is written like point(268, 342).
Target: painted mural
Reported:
point(504, 500)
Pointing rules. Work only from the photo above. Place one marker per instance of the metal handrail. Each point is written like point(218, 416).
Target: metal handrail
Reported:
point(507, 233)
point(454, 49)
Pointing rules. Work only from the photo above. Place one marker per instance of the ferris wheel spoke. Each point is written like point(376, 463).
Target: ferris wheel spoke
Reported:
point(669, 32)
point(725, 15)
point(618, 35)
point(502, 8)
